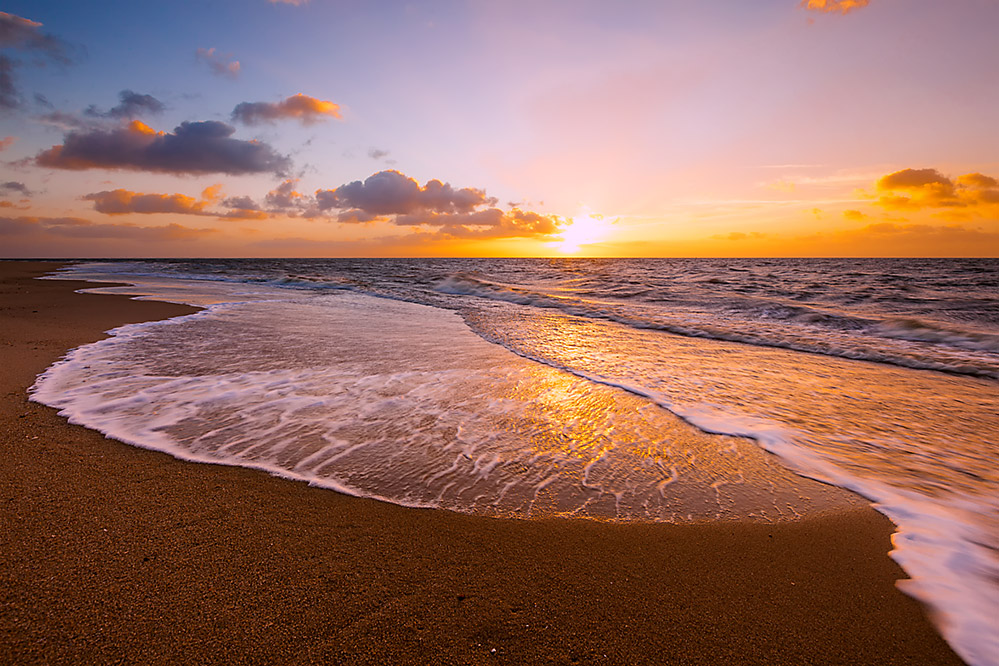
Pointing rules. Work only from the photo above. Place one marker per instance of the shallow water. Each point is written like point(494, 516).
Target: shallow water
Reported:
point(598, 396)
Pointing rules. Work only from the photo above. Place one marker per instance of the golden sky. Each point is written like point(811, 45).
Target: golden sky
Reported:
point(668, 128)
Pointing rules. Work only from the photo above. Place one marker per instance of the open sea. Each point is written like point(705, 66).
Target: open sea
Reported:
point(671, 390)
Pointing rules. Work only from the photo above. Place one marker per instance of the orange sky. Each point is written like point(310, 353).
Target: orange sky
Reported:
point(773, 128)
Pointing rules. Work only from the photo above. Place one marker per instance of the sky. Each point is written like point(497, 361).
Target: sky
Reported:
point(326, 128)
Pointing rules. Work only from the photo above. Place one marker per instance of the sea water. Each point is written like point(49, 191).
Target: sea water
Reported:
point(627, 390)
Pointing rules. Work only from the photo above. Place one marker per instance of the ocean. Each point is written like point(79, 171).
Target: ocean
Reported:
point(665, 390)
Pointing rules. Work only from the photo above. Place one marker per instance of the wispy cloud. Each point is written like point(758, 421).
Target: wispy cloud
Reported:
point(24, 35)
point(74, 227)
point(833, 6)
point(221, 64)
point(125, 202)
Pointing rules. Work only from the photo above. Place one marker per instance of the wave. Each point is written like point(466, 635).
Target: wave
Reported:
point(760, 323)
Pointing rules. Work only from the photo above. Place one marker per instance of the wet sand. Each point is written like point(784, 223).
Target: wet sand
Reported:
point(113, 554)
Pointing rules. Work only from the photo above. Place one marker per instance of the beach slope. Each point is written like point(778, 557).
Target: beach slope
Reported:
point(113, 554)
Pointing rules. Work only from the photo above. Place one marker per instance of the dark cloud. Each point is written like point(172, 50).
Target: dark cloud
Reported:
point(377, 153)
point(192, 148)
point(453, 212)
point(131, 105)
point(219, 63)
point(305, 109)
point(831, 6)
point(21, 34)
point(43, 101)
point(12, 186)
point(9, 98)
point(242, 203)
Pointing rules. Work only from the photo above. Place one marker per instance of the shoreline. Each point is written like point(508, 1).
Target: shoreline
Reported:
point(117, 553)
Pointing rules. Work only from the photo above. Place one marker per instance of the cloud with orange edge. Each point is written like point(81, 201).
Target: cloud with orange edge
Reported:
point(920, 189)
point(307, 110)
point(833, 6)
point(123, 202)
point(126, 202)
point(467, 212)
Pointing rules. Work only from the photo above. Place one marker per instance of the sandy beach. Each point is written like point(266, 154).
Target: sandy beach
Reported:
point(114, 554)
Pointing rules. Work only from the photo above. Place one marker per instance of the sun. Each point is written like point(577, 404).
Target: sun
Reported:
point(583, 229)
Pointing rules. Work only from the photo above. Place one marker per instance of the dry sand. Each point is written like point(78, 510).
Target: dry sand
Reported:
point(113, 554)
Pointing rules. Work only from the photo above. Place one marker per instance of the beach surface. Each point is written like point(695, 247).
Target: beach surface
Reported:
point(114, 554)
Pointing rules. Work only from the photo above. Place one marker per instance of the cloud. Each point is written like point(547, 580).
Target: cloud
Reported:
point(832, 6)
point(192, 148)
point(6, 142)
point(219, 63)
point(392, 193)
point(453, 212)
point(305, 109)
point(74, 227)
point(125, 202)
point(296, 3)
point(12, 186)
point(919, 189)
point(121, 202)
point(854, 215)
point(21, 34)
point(377, 153)
point(131, 105)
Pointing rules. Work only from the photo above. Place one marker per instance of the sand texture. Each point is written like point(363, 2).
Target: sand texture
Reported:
point(113, 554)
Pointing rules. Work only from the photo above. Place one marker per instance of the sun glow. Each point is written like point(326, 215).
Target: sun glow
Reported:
point(583, 229)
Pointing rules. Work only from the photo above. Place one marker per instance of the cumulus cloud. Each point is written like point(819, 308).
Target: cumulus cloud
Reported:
point(454, 212)
point(305, 109)
point(832, 6)
point(21, 34)
point(192, 148)
point(131, 105)
point(221, 64)
point(917, 189)
point(393, 193)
